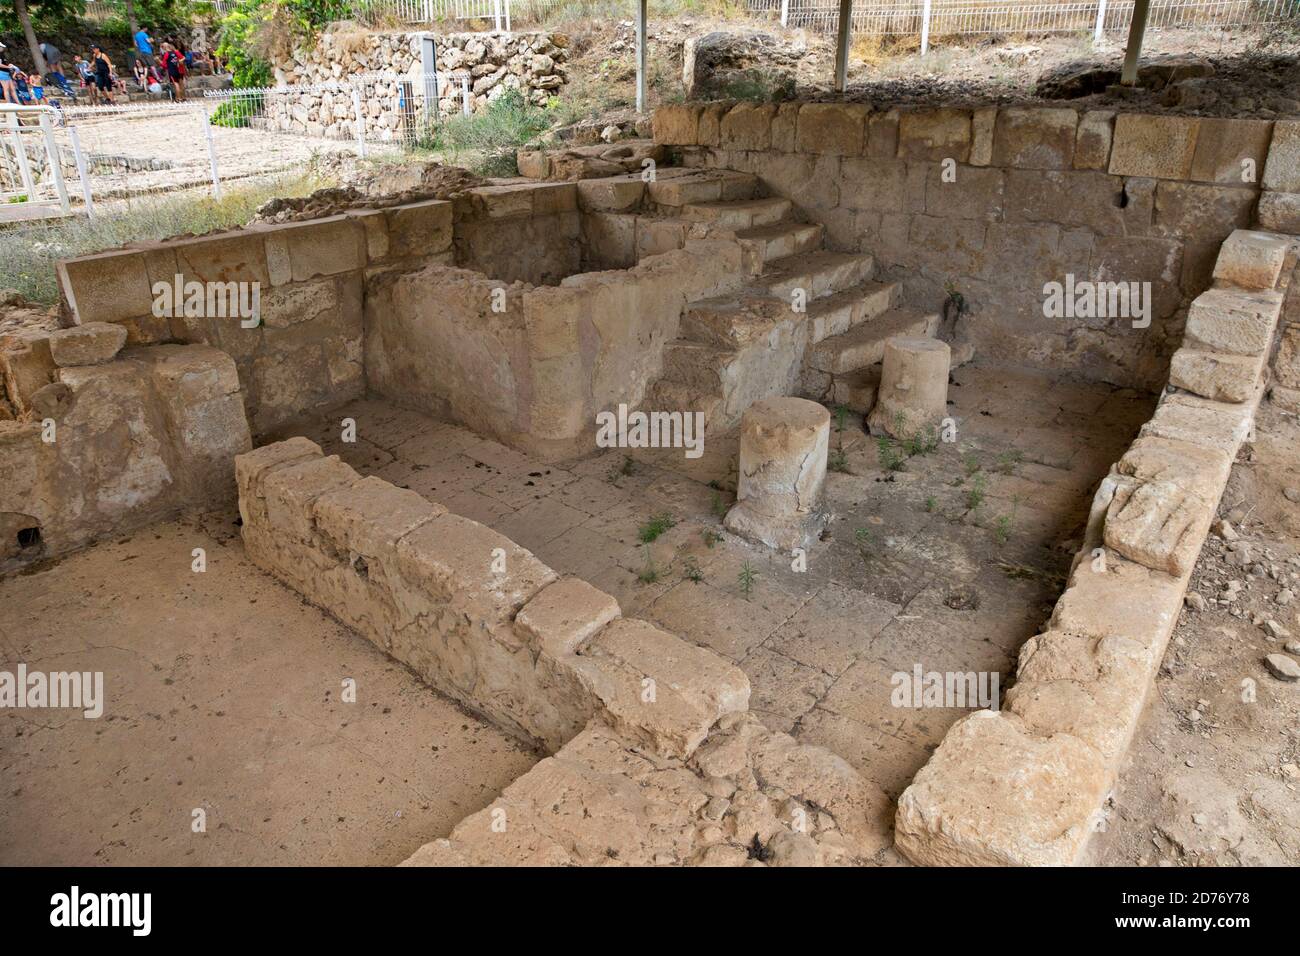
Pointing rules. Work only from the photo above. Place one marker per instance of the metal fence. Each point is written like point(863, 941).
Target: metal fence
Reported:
point(100, 10)
point(972, 17)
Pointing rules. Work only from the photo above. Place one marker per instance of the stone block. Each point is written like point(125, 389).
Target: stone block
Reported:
point(1035, 138)
point(291, 491)
point(1279, 212)
point(374, 223)
point(550, 199)
point(974, 194)
point(748, 126)
point(251, 467)
point(677, 124)
point(996, 794)
point(1251, 260)
point(1216, 375)
point(1231, 151)
point(1191, 418)
point(785, 127)
point(613, 194)
point(87, 344)
point(1159, 524)
point(1092, 139)
point(1206, 212)
point(835, 128)
point(26, 367)
point(934, 134)
point(1230, 320)
point(610, 239)
point(106, 287)
point(711, 123)
point(419, 229)
point(1161, 147)
point(983, 122)
point(563, 616)
point(371, 515)
point(882, 134)
point(238, 256)
point(1282, 169)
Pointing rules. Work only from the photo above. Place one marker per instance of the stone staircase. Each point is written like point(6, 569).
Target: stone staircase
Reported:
point(734, 350)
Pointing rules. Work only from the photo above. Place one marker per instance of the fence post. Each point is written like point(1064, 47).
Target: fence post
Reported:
point(360, 121)
point(212, 151)
point(1101, 22)
point(496, 14)
point(640, 55)
point(465, 101)
point(507, 17)
point(925, 27)
point(20, 153)
point(82, 174)
point(785, 13)
point(56, 166)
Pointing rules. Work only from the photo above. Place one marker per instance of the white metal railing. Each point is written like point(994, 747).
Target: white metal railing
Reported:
point(101, 10)
point(966, 17)
point(32, 181)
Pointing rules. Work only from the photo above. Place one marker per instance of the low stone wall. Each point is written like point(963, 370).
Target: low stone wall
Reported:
point(473, 613)
point(107, 444)
point(306, 351)
point(1025, 786)
point(994, 203)
point(386, 69)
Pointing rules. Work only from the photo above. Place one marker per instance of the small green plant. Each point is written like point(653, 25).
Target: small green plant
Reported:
point(890, 457)
point(975, 497)
point(841, 418)
point(1002, 529)
point(625, 470)
point(656, 526)
point(649, 574)
point(971, 463)
point(747, 577)
point(923, 441)
point(718, 506)
point(691, 570)
point(1008, 460)
point(711, 537)
point(931, 503)
point(838, 460)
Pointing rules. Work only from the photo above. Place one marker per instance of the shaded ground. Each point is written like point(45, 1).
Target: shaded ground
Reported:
point(1213, 776)
point(910, 573)
point(223, 693)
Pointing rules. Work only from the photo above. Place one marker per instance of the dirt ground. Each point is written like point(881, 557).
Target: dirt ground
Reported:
point(224, 692)
point(1213, 775)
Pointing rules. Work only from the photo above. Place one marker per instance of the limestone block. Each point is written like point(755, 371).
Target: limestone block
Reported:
point(551, 199)
point(106, 287)
point(291, 491)
point(371, 515)
point(748, 126)
point(1231, 151)
point(995, 794)
point(1110, 596)
point(1216, 375)
point(611, 238)
point(1161, 147)
point(88, 344)
point(1209, 212)
point(1191, 418)
point(1280, 212)
point(677, 124)
point(237, 256)
point(983, 122)
point(251, 467)
point(1287, 399)
point(1230, 320)
point(419, 229)
point(1286, 365)
point(26, 367)
point(321, 247)
point(783, 450)
point(1251, 260)
point(612, 194)
point(1034, 138)
point(374, 222)
point(1159, 524)
point(882, 134)
point(1197, 469)
point(710, 131)
point(1282, 170)
point(913, 391)
point(835, 128)
point(563, 616)
point(1093, 138)
point(533, 163)
point(934, 134)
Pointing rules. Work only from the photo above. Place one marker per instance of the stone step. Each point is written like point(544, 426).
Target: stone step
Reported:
point(837, 313)
point(669, 396)
point(706, 186)
point(779, 241)
point(732, 322)
point(865, 344)
point(739, 213)
point(817, 273)
point(696, 364)
point(857, 390)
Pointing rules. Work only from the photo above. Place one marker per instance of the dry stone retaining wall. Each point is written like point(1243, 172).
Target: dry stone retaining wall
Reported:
point(1025, 786)
point(994, 203)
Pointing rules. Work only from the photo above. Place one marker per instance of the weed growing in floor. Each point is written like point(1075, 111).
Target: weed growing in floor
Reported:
point(975, 497)
point(718, 506)
point(931, 503)
point(838, 460)
point(625, 470)
point(971, 464)
point(1007, 461)
point(656, 526)
point(923, 442)
point(747, 577)
point(711, 537)
point(486, 142)
point(891, 459)
point(1002, 527)
point(862, 537)
point(691, 570)
point(649, 574)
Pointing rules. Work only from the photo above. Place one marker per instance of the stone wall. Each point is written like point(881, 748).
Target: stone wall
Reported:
point(993, 203)
point(1026, 785)
point(386, 69)
point(108, 442)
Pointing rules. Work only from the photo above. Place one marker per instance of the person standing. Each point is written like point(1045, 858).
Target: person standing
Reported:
point(54, 63)
point(174, 67)
point(102, 67)
point(144, 46)
point(87, 75)
point(8, 89)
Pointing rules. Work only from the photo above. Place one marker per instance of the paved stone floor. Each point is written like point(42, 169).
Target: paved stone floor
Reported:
point(950, 563)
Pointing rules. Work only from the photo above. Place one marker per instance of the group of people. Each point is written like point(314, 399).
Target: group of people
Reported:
point(153, 72)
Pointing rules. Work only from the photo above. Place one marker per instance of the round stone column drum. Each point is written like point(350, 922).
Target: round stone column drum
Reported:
point(913, 392)
point(783, 447)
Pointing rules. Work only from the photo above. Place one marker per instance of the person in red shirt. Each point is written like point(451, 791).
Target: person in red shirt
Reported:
point(173, 64)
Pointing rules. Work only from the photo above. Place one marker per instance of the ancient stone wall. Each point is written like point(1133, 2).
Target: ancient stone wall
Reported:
point(992, 204)
point(386, 69)
point(107, 441)
point(1026, 785)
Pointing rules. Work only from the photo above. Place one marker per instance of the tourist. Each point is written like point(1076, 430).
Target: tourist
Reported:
point(54, 66)
point(102, 68)
point(87, 77)
point(174, 68)
point(8, 88)
point(144, 46)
